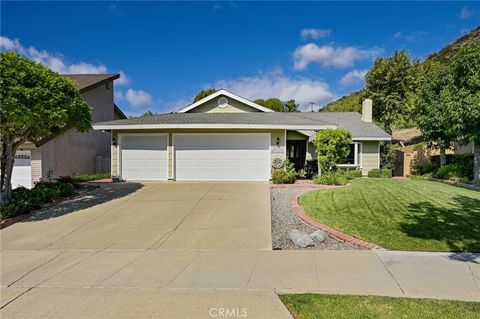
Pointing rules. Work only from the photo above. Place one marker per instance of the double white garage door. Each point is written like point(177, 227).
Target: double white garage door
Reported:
point(197, 157)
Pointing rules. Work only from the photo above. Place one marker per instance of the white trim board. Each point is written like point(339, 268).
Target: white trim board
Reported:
point(225, 93)
point(213, 126)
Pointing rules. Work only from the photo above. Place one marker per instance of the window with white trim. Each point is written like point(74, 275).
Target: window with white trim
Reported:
point(353, 157)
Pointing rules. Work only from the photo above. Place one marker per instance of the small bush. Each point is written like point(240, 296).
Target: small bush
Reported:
point(285, 175)
point(380, 173)
point(353, 173)
point(425, 169)
point(90, 177)
point(454, 172)
point(66, 189)
point(331, 178)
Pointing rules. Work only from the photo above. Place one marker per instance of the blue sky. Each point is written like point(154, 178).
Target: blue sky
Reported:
point(166, 52)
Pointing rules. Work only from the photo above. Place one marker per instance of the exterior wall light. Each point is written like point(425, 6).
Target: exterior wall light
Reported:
point(278, 141)
point(114, 141)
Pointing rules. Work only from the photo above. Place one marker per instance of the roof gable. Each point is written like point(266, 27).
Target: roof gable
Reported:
point(227, 94)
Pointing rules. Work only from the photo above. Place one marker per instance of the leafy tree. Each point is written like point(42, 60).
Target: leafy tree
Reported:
point(277, 105)
point(203, 94)
point(437, 117)
point(392, 83)
point(332, 146)
point(36, 104)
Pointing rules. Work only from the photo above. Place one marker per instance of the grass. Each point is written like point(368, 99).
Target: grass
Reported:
point(90, 177)
point(401, 214)
point(309, 306)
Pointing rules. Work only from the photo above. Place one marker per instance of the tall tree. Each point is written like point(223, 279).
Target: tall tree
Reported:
point(36, 103)
point(332, 146)
point(277, 105)
point(392, 83)
point(203, 93)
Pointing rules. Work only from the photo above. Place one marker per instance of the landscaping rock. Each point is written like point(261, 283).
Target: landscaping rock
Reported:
point(301, 238)
point(318, 235)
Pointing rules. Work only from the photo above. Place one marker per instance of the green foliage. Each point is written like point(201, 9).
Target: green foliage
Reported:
point(347, 103)
point(331, 178)
point(453, 172)
point(332, 146)
point(277, 105)
point(445, 55)
point(285, 175)
point(392, 83)
point(24, 200)
point(352, 173)
point(388, 154)
point(37, 104)
point(425, 169)
point(203, 94)
point(380, 173)
point(90, 177)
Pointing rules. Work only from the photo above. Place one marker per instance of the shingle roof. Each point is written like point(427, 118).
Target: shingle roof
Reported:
point(86, 81)
point(349, 121)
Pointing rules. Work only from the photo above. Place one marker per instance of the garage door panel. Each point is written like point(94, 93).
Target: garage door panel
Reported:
point(22, 170)
point(144, 157)
point(235, 157)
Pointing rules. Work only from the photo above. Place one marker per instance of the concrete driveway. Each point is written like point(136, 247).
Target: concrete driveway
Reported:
point(152, 216)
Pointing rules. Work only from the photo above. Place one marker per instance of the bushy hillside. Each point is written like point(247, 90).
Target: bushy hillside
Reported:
point(353, 101)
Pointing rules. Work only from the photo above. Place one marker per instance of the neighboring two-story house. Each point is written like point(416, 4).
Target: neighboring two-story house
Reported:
point(73, 152)
point(226, 137)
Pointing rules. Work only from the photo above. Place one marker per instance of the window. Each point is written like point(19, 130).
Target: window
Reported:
point(222, 102)
point(353, 156)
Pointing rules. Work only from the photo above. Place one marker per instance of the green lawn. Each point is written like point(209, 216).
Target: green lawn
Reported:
point(303, 306)
point(401, 214)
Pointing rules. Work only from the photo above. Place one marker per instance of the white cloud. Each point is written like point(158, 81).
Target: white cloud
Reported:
point(466, 13)
point(138, 98)
point(310, 33)
point(329, 56)
point(409, 36)
point(123, 80)
point(353, 77)
point(58, 63)
point(276, 84)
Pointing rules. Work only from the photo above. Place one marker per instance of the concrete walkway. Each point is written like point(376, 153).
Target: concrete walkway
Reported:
point(244, 279)
point(150, 252)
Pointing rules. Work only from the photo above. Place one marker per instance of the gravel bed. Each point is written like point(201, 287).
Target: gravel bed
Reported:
point(284, 220)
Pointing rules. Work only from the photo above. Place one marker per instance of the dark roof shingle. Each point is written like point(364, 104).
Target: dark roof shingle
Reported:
point(86, 81)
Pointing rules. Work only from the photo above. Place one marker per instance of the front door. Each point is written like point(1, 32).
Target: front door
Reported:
point(296, 151)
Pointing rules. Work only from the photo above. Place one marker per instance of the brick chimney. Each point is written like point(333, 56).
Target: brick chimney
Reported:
point(367, 110)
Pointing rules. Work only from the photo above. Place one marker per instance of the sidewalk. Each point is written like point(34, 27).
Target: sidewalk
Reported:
point(79, 276)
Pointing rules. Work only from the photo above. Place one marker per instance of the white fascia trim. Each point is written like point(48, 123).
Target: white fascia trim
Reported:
point(372, 139)
point(212, 126)
point(226, 93)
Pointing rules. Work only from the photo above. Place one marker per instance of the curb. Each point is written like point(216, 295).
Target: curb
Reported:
point(332, 232)
point(302, 185)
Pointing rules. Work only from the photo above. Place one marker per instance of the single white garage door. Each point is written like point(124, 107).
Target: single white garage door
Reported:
point(22, 170)
point(144, 157)
point(222, 157)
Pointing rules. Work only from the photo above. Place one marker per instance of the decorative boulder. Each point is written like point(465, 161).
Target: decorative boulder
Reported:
point(301, 238)
point(318, 235)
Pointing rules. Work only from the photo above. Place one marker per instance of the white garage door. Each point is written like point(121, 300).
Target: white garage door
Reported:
point(225, 157)
point(144, 157)
point(22, 170)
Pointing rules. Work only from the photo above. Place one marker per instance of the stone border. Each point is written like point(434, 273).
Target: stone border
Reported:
point(332, 232)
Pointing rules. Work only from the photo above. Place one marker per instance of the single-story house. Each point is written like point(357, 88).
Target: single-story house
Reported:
point(72, 152)
point(226, 137)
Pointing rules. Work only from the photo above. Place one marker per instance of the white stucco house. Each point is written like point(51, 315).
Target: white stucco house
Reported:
point(229, 138)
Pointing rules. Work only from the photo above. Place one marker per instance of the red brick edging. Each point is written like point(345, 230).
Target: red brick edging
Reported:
point(332, 232)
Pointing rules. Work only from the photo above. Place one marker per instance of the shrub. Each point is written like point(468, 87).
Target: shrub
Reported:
point(331, 178)
point(285, 175)
point(353, 173)
point(425, 169)
point(380, 173)
point(66, 189)
point(90, 177)
point(453, 172)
